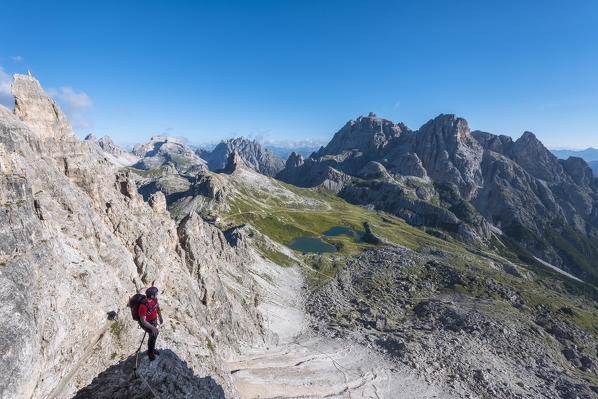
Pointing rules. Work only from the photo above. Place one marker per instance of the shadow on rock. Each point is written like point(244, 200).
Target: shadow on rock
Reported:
point(168, 375)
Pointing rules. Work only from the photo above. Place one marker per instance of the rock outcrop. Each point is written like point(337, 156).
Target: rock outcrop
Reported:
point(38, 111)
point(253, 154)
point(176, 380)
point(233, 163)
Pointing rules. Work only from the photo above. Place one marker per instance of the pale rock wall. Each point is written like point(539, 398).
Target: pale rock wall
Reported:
point(38, 111)
point(76, 240)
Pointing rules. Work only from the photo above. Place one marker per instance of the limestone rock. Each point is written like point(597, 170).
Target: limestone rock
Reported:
point(105, 148)
point(253, 154)
point(367, 134)
point(209, 186)
point(161, 151)
point(234, 162)
point(531, 154)
point(449, 153)
point(37, 110)
point(373, 170)
point(158, 202)
point(76, 240)
point(407, 164)
point(500, 144)
point(168, 376)
point(294, 161)
point(579, 170)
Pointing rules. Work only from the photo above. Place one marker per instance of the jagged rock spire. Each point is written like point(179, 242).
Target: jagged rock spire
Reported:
point(233, 163)
point(38, 111)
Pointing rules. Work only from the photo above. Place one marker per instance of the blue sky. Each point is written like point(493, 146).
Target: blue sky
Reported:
point(285, 70)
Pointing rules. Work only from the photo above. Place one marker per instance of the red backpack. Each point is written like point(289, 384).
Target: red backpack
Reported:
point(135, 301)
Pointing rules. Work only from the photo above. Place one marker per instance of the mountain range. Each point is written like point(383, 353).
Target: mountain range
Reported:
point(472, 184)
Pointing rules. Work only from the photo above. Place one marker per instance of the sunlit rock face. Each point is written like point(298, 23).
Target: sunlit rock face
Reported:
point(76, 240)
point(38, 111)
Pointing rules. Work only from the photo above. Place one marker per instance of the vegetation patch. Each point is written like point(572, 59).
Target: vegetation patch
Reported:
point(276, 257)
point(116, 329)
point(145, 173)
point(210, 346)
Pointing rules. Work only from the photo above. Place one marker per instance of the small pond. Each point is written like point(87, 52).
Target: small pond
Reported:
point(310, 244)
point(345, 231)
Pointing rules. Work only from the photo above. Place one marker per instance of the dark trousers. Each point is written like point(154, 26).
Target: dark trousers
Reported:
point(151, 343)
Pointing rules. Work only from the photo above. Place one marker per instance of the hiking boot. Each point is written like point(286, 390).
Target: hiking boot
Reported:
point(151, 356)
point(156, 352)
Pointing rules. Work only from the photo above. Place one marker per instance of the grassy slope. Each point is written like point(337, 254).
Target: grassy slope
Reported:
point(279, 214)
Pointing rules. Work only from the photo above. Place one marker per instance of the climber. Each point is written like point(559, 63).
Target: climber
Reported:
point(148, 319)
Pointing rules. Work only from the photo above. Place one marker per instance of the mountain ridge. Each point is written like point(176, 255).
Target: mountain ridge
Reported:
point(588, 154)
point(469, 183)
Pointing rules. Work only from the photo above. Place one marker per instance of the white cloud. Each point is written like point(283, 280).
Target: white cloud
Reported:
point(6, 97)
point(70, 98)
point(76, 105)
point(16, 58)
point(397, 104)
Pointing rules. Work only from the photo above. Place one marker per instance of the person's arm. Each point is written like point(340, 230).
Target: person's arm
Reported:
point(147, 325)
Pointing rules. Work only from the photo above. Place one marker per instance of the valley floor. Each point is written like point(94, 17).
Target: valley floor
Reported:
point(305, 364)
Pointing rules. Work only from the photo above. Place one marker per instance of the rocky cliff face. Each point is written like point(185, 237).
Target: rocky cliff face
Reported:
point(370, 135)
point(449, 154)
point(76, 240)
point(253, 154)
point(469, 183)
point(38, 111)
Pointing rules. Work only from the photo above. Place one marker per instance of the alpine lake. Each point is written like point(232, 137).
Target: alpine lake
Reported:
point(312, 244)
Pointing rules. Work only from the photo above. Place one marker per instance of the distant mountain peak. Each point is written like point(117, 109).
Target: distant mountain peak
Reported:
point(251, 152)
point(161, 150)
point(366, 134)
point(233, 163)
point(105, 148)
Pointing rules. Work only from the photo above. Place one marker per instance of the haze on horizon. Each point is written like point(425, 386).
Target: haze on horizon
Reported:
point(282, 71)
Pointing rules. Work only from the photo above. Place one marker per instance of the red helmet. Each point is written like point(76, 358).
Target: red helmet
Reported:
point(151, 292)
